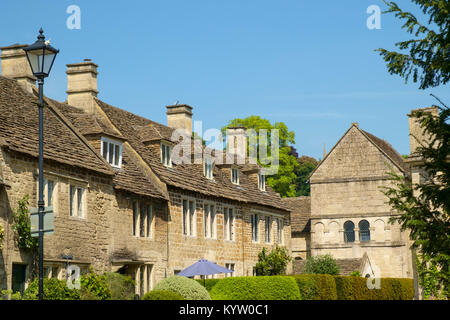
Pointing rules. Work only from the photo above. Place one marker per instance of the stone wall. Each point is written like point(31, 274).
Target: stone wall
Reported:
point(347, 186)
point(242, 251)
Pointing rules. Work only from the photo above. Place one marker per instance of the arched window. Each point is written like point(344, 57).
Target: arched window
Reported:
point(349, 231)
point(364, 231)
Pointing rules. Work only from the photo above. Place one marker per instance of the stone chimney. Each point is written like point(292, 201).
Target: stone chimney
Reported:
point(237, 142)
point(416, 132)
point(14, 64)
point(82, 85)
point(179, 116)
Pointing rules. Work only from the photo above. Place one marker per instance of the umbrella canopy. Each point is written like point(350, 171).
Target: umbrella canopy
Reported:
point(203, 268)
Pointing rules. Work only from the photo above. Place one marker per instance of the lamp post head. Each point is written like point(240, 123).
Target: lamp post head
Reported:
point(41, 56)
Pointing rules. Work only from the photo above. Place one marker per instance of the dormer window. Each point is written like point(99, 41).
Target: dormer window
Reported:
point(235, 176)
point(112, 152)
point(166, 154)
point(208, 168)
point(261, 182)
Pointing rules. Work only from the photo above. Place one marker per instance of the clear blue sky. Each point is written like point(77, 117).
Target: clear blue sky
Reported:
point(310, 64)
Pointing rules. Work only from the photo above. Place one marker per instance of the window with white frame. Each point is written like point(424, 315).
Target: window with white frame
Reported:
point(268, 229)
point(229, 266)
point(254, 221)
point(188, 217)
point(112, 152)
point(49, 191)
point(228, 224)
point(208, 168)
point(235, 176)
point(77, 201)
point(280, 226)
point(166, 154)
point(209, 220)
point(142, 219)
point(261, 182)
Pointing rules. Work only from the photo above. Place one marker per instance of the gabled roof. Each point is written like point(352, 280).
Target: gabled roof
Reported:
point(300, 213)
point(63, 142)
point(138, 130)
point(380, 144)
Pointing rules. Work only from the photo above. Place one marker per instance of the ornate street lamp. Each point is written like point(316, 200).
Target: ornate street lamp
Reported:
point(41, 56)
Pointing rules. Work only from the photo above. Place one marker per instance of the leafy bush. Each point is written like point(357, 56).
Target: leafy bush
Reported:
point(162, 295)
point(54, 289)
point(321, 264)
point(122, 287)
point(356, 273)
point(208, 283)
point(316, 286)
point(256, 288)
point(273, 263)
point(355, 288)
point(94, 287)
point(189, 289)
point(22, 226)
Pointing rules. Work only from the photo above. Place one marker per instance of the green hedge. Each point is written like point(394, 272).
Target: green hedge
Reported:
point(162, 295)
point(54, 289)
point(208, 284)
point(355, 288)
point(256, 288)
point(189, 289)
point(316, 286)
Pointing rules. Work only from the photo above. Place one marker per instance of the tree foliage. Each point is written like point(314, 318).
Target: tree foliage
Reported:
point(274, 263)
point(283, 181)
point(424, 208)
point(306, 166)
point(428, 58)
point(22, 226)
point(321, 264)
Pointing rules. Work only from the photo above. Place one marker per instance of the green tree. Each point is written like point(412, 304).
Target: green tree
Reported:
point(274, 263)
point(424, 208)
point(306, 165)
point(22, 226)
point(428, 58)
point(283, 181)
point(321, 264)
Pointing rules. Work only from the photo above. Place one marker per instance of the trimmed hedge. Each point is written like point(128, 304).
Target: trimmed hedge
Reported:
point(162, 295)
point(189, 289)
point(256, 288)
point(316, 286)
point(208, 284)
point(355, 288)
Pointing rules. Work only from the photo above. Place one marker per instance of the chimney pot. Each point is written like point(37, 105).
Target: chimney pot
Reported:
point(179, 116)
point(82, 85)
point(14, 64)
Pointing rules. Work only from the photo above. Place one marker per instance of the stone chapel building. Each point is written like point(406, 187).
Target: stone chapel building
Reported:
point(347, 215)
point(120, 203)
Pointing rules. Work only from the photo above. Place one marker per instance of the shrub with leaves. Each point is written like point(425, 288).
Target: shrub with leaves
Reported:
point(94, 287)
point(162, 295)
point(321, 264)
point(274, 263)
point(189, 289)
point(54, 289)
point(22, 226)
point(122, 287)
point(256, 288)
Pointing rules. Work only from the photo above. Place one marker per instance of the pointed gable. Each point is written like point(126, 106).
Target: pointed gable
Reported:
point(358, 154)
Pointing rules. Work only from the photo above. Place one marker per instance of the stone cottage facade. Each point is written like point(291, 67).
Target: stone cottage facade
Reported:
point(348, 215)
point(121, 203)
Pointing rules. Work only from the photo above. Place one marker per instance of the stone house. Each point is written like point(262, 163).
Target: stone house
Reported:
point(120, 203)
point(347, 215)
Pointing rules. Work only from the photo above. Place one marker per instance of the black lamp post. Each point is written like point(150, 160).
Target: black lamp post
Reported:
point(41, 56)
